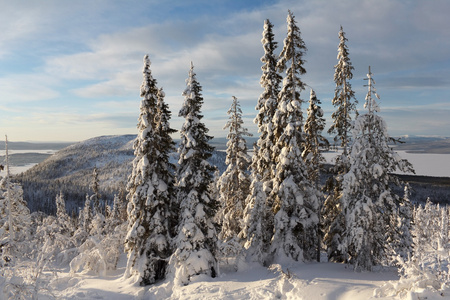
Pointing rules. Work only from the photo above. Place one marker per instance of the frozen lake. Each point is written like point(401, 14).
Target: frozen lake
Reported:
point(22, 160)
point(426, 164)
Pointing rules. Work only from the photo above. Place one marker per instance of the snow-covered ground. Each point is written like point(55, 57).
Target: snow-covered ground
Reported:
point(315, 281)
point(307, 281)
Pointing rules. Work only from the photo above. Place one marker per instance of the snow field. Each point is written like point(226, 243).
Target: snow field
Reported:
point(308, 281)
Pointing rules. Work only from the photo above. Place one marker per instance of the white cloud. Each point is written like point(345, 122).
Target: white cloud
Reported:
point(25, 88)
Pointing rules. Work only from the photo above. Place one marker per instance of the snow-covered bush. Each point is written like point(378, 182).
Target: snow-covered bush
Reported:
point(100, 253)
point(428, 268)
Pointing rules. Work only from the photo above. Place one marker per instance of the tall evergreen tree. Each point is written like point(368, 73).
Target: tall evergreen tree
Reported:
point(404, 223)
point(234, 183)
point(263, 159)
point(95, 198)
point(258, 215)
point(314, 142)
point(196, 240)
point(369, 204)
point(15, 218)
point(345, 103)
point(147, 241)
point(85, 216)
point(165, 145)
point(344, 97)
point(295, 202)
point(291, 62)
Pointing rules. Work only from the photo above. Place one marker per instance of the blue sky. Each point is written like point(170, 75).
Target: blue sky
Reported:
point(71, 70)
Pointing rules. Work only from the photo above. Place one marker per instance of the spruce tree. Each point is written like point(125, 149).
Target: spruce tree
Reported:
point(291, 62)
point(95, 198)
point(165, 145)
point(314, 140)
point(85, 216)
point(258, 214)
point(313, 145)
point(263, 160)
point(344, 97)
point(234, 183)
point(147, 241)
point(295, 202)
point(196, 240)
point(15, 220)
point(404, 223)
point(369, 204)
point(345, 103)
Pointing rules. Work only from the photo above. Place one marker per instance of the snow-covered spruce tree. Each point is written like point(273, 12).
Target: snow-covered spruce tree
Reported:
point(147, 241)
point(369, 204)
point(314, 143)
point(95, 197)
point(56, 237)
point(258, 215)
point(295, 202)
point(64, 220)
point(234, 183)
point(15, 220)
point(85, 216)
point(263, 159)
point(344, 97)
point(165, 145)
point(345, 102)
point(403, 246)
point(291, 62)
point(196, 241)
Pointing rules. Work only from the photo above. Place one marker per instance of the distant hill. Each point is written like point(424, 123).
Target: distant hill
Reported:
point(35, 145)
point(70, 171)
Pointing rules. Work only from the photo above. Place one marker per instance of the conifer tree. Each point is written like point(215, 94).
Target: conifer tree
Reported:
point(234, 183)
point(369, 204)
point(295, 202)
point(61, 212)
point(165, 145)
point(196, 240)
point(62, 217)
point(263, 159)
point(344, 97)
point(404, 245)
point(15, 220)
point(314, 142)
point(147, 241)
point(85, 215)
point(345, 103)
point(258, 215)
point(95, 198)
point(291, 62)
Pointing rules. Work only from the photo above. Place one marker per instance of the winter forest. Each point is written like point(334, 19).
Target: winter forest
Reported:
point(184, 222)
